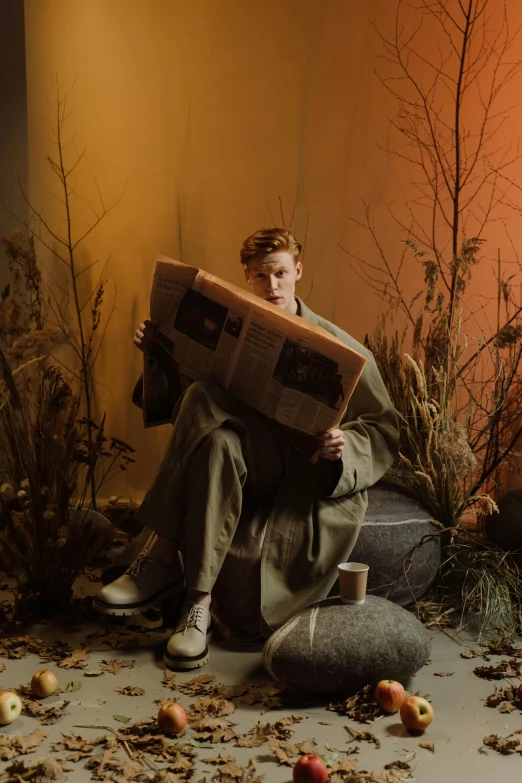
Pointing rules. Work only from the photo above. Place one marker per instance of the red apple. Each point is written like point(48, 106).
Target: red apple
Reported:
point(10, 707)
point(389, 695)
point(172, 718)
point(44, 683)
point(310, 768)
point(416, 713)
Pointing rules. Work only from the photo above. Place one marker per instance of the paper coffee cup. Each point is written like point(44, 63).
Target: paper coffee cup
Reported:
point(352, 582)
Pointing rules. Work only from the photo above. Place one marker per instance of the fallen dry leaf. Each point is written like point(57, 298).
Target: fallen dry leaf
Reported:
point(443, 620)
point(506, 707)
point(261, 732)
point(443, 674)
point(470, 654)
point(213, 730)
point(169, 680)
point(119, 640)
point(219, 760)
point(273, 690)
point(427, 746)
point(363, 736)
point(504, 745)
point(115, 665)
point(131, 690)
point(76, 660)
point(308, 746)
point(93, 672)
point(325, 723)
point(499, 695)
point(45, 771)
point(503, 670)
point(234, 773)
point(10, 747)
point(164, 776)
point(252, 698)
point(502, 645)
point(281, 725)
point(210, 705)
point(257, 736)
point(2, 667)
point(81, 747)
point(47, 714)
point(105, 760)
point(284, 751)
point(342, 770)
point(198, 686)
point(272, 704)
point(398, 765)
point(234, 691)
point(360, 707)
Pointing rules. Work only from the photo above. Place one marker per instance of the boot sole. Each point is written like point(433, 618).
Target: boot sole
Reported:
point(128, 610)
point(185, 664)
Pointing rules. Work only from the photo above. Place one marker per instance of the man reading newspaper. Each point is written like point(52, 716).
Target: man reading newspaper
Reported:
point(260, 527)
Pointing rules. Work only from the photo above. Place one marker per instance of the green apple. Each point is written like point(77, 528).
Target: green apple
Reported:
point(10, 707)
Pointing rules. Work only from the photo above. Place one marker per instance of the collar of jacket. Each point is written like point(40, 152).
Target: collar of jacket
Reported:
point(306, 313)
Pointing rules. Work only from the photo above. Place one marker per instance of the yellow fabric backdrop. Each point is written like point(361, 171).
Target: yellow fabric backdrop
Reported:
point(201, 113)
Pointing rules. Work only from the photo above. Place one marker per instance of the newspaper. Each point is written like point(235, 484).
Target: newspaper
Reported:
point(287, 368)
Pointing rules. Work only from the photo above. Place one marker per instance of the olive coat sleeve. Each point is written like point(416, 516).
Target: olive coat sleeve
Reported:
point(370, 424)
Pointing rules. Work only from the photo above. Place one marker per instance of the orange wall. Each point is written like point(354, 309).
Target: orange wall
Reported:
point(202, 113)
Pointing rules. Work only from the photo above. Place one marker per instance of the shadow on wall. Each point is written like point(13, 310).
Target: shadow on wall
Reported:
point(13, 117)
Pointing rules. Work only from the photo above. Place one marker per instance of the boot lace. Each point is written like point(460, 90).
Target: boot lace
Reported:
point(193, 616)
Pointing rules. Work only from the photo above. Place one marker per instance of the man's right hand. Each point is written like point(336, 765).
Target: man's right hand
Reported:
point(146, 335)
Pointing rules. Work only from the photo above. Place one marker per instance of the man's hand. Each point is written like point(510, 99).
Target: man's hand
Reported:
point(330, 444)
point(146, 335)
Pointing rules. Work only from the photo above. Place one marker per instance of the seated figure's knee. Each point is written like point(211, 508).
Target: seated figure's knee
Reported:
point(199, 389)
point(221, 438)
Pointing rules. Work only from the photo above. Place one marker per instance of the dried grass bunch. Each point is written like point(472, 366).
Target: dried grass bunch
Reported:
point(47, 466)
point(452, 367)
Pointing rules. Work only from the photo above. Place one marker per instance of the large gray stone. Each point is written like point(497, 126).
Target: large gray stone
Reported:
point(505, 528)
point(331, 646)
point(396, 531)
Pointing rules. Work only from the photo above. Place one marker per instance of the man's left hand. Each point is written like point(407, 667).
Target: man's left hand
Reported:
point(330, 444)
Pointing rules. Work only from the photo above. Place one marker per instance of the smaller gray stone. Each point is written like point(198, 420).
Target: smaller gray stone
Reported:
point(397, 530)
point(99, 529)
point(505, 528)
point(331, 646)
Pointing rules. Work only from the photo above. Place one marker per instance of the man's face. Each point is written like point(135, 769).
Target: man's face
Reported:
point(273, 278)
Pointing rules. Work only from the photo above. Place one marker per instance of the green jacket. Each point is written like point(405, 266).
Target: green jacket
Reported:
point(308, 534)
point(317, 511)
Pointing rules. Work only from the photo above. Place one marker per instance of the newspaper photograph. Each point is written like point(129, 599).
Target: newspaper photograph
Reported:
point(287, 368)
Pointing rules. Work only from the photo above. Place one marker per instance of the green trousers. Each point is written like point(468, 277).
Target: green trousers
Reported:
point(222, 466)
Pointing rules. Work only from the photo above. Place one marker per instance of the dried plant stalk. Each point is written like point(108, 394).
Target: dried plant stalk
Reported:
point(48, 465)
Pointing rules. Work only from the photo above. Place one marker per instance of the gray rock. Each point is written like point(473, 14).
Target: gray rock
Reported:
point(395, 526)
point(331, 646)
point(99, 528)
point(505, 528)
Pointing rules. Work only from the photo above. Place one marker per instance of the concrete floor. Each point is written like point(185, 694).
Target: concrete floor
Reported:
point(461, 717)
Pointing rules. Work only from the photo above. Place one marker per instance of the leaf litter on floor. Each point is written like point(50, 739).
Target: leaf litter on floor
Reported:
point(116, 664)
point(501, 671)
point(363, 736)
point(131, 690)
point(361, 707)
point(33, 707)
point(77, 659)
point(10, 747)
